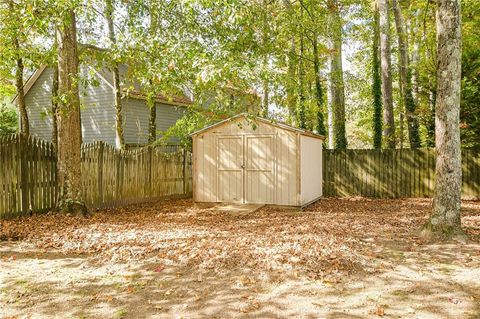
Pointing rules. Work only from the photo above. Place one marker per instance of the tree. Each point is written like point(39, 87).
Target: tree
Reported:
point(318, 89)
point(376, 84)
point(68, 116)
point(406, 78)
point(301, 116)
point(120, 140)
point(387, 95)
point(15, 32)
point(445, 218)
point(337, 87)
point(8, 119)
point(55, 101)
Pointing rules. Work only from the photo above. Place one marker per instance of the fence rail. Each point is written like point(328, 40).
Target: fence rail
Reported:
point(392, 173)
point(109, 177)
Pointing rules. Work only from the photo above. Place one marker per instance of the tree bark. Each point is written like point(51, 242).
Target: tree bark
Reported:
point(387, 97)
point(337, 86)
point(291, 99)
point(152, 118)
point(406, 78)
point(376, 84)
point(55, 106)
point(301, 116)
point(68, 117)
point(119, 138)
point(22, 109)
point(318, 89)
point(445, 218)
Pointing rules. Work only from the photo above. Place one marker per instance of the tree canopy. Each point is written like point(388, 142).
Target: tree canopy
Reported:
point(281, 52)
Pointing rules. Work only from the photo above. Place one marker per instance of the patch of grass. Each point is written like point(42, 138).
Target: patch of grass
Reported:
point(401, 294)
point(446, 269)
point(22, 282)
point(120, 313)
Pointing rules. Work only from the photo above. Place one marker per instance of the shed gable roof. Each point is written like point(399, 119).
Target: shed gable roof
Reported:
point(262, 120)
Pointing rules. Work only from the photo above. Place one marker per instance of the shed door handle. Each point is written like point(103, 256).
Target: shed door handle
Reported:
point(242, 166)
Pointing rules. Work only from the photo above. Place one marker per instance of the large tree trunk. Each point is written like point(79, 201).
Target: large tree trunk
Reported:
point(22, 109)
point(151, 97)
point(387, 97)
point(376, 84)
point(415, 57)
point(68, 117)
point(318, 89)
point(445, 218)
point(336, 76)
point(331, 144)
point(152, 117)
point(405, 78)
point(291, 98)
point(119, 138)
point(301, 116)
point(55, 106)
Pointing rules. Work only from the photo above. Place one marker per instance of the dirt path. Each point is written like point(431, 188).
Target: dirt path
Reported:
point(372, 269)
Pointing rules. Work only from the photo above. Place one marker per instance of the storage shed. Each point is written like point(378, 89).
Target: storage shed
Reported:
point(247, 159)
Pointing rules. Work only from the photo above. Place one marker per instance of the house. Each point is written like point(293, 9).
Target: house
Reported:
point(251, 160)
point(97, 106)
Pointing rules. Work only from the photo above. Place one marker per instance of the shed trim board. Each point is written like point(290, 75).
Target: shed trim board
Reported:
point(260, 119)
point(238, 162)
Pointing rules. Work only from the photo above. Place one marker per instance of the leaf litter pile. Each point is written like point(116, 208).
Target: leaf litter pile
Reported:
point(329, 239)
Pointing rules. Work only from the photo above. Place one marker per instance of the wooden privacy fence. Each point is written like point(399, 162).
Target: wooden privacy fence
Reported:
point(109, 176)
point(396, 173)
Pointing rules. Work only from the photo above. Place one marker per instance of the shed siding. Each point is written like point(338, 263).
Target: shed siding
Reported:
point(286, 148)
point(98, 113)
point(205, 168)
point(311, 169)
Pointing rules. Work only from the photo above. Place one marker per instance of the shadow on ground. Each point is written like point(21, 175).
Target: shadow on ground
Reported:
point(257, 266)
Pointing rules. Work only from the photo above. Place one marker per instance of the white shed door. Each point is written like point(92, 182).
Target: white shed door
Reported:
point(259, 169)
point(246, 169)
point(230, 169)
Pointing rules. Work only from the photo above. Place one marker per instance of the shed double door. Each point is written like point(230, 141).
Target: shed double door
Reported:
point(245, 169)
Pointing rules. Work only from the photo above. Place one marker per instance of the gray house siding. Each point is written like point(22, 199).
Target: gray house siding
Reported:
point(97, 109)
point(136, 115)
point(135, 121)
point(39, 106)
point(98, 112)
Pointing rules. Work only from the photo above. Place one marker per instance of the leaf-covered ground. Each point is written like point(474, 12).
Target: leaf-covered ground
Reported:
point(341, 258)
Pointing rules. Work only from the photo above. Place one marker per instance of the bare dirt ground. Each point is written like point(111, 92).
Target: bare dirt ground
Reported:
point(339, 258)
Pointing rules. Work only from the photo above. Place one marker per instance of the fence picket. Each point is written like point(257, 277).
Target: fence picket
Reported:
point(28, 179)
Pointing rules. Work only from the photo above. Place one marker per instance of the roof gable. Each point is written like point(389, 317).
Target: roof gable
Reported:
point(105, 75)
point(260, 119)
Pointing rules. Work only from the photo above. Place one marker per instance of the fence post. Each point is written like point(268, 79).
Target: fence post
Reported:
point(100, 173)
point(23, 149)
point(149, 164)
point(118, 197)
